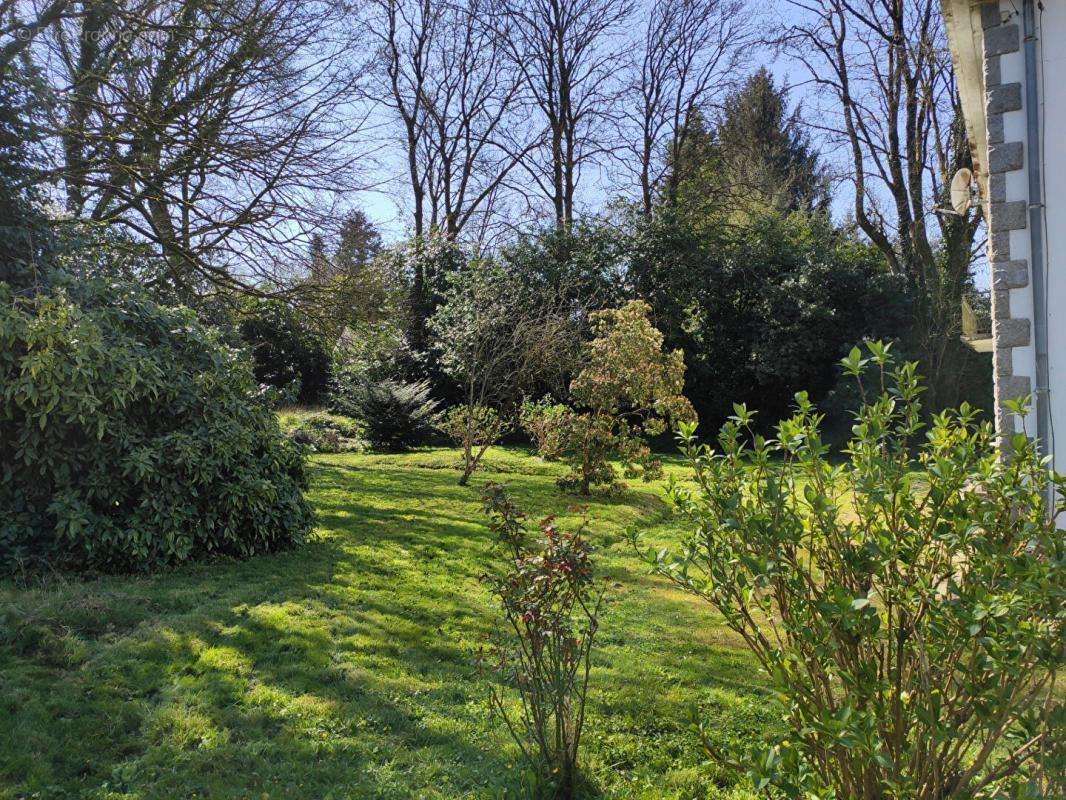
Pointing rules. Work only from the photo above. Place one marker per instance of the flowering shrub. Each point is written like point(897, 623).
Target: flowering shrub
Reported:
point(475, 429)
point(279, 397)
point(627, 389)
point(551, 604)
point(906, 603)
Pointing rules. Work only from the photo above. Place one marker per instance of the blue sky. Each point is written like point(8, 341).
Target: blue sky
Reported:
point(385, 203)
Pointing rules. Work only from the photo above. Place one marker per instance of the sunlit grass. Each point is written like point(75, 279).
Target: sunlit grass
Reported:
point(346, 668)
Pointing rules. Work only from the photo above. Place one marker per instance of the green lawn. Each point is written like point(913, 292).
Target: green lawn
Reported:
point(344, 669)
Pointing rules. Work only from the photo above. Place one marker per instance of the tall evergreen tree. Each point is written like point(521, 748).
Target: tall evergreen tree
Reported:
point(360, 241)
point(754, 151)
point(692, 169)
point(25, 232)
point(319, 266)
point(763, 152)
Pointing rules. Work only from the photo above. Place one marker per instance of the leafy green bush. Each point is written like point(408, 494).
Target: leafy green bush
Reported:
point(762, 306)
point(288, 354)
point(585, 260)
point(130, 437)
point(906, 603)
point(394, 416)
point(541, 421)
point(628, 387)
point(551, 603)
point(327, 433)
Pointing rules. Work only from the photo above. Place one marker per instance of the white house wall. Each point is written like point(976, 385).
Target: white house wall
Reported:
point(1005, 185)
point(1052, 60)
point(988, 51)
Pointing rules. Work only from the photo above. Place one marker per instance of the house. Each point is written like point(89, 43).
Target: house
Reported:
point(1010, 63)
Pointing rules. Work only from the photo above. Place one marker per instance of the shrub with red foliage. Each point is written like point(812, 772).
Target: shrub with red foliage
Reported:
point(551, 603)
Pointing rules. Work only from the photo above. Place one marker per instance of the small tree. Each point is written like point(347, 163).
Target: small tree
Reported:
point(495, 337)
point(906, 604)
point(551, 603)
point(627, 388)
point(474, 428)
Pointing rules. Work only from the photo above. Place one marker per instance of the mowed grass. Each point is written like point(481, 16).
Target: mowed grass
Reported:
point(346, 668)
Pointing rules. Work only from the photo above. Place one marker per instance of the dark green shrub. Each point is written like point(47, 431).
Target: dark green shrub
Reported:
point(394, 416)
point(130, 437)
point(762, 306)
point(289, 356)
point(586, 261)
point(906, 604)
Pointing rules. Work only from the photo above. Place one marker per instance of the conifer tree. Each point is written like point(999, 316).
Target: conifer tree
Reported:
point(359, 243)
point(764, 152)
point(755, 150)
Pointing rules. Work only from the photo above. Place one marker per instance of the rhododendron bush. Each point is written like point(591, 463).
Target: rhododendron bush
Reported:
point(131, 437)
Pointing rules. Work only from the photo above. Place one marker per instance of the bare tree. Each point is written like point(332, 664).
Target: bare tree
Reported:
point(568, 54)
point(471, 146)
point(445, 76)
point(210, 129)
point(894, 107)
point(406, 31)
point(450, 88)
point(691, 52)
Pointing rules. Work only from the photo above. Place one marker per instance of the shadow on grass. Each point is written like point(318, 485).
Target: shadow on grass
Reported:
point(289, 673)
point(342, 669)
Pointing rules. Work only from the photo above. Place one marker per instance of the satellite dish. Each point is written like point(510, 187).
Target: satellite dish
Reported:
point(961, 195)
